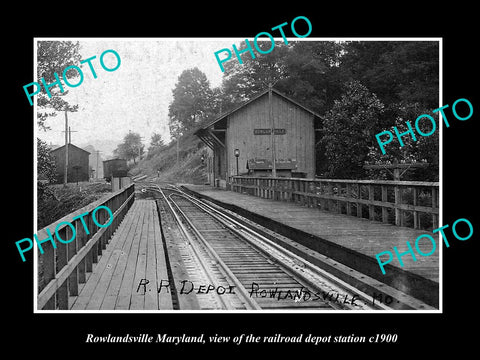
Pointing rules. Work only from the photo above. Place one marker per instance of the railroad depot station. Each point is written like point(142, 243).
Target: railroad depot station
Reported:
point(270, 135)
point(264, 235)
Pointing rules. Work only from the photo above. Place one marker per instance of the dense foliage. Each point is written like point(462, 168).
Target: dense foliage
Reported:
point(359, 88)
point(130, 148)
point(349, 129)
point(53, 57)
point(192, 102)
point(46, 168)
point(156, 145)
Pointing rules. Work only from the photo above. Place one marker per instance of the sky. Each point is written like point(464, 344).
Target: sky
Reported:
point(135, 96)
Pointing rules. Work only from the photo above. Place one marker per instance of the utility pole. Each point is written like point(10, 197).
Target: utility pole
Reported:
point(98, 155)
point(70, 134)
point(66, 151)
point(178, 150)
point(140, 149)
point(272, 122)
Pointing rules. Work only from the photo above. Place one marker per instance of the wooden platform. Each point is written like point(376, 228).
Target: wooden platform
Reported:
point(347, 239)
point(135, 252)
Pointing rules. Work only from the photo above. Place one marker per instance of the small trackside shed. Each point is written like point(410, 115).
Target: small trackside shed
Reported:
point(271, 128)
point(78, 169)
point(114, 168)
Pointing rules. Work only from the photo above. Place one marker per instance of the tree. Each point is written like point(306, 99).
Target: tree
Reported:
point(156, 141)
point(404, 77)
point(46, 170)
point(349, 129)
point(388, 81)
point(191, 103)
point(313, 75)
point(424, 149)
point(397, 71)
point(131, 147)
point(303, 70)
point(156, 145)
point(243, 81)
point(53, 57)
point(46, 167)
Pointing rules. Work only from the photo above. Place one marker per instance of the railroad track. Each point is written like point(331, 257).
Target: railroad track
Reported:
point(238, 268)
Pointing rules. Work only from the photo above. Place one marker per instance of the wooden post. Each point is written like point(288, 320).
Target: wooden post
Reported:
point(339, 202)
point(287, 190)
point(359, 205)
point(434, 206)
point(398, 202)
point(71, 251)
point(49, 269)
point(398, 197)
point(62, 291)
point(276, 190)
point(107, 218)
point(281, 189)
point(302, 190)
point(349, 199)
point(323, 202)
point(328, 202)
point(371, 208)
point(89, 259)
point(93, 230)
point(309, 190)
point(416, 222)
point(384, 208)
point(270, 188)
point(294, 190)
point(101, 216)
point(81, 241)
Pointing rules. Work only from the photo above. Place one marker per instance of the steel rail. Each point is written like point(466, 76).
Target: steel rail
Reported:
point(309, 273)
point(196, 252)
point(315, 271)
point(248, 301)
point(253, 239)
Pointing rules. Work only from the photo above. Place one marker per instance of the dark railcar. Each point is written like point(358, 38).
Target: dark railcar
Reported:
point(114, 167)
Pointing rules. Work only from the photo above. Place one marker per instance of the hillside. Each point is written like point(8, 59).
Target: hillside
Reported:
point(189, 168)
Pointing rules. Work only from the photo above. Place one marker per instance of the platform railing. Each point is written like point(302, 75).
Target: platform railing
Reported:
point(403, 203)
point(62, 269)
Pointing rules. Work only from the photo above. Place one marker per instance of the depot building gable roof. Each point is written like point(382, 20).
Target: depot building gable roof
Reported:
point(70, 145)
point(226, 114)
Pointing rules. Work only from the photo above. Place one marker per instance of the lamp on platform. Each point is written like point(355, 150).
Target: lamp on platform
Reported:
point(236, 152)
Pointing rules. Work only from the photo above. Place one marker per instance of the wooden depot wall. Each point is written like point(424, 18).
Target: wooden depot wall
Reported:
point(76, 157)
point(248, 131)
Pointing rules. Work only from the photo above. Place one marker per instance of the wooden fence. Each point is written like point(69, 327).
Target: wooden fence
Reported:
point(403, 203)
point(62, 269)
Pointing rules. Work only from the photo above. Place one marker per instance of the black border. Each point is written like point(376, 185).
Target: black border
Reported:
point(416, 332)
